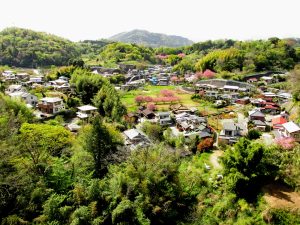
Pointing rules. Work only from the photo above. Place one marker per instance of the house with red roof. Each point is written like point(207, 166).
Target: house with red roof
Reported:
point(277, 122)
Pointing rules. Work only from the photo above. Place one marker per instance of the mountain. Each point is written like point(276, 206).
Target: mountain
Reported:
point(27, 48)
point(143, 37)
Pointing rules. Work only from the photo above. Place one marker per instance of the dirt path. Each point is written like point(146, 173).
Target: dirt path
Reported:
point(214, 159)
point(280, 196)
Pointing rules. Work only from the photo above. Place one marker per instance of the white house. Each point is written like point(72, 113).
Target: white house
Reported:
point(25, 96)
point(14, 88)
point(85, 111)
point(291, 129)
point(51, 105)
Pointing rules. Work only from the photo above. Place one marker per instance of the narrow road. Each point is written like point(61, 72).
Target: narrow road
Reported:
point(214, 159)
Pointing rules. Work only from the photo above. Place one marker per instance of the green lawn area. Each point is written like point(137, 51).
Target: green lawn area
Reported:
point(128, 98)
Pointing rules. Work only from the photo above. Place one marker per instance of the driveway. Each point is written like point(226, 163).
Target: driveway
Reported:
point(214, 159)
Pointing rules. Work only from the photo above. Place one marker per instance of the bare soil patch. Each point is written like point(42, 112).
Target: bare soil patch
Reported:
point(280, 196)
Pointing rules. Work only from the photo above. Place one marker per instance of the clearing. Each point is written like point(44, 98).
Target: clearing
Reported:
point(280, 196)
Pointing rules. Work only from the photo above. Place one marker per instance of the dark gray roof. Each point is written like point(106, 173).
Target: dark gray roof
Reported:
point(257, 113)
point(259, 123)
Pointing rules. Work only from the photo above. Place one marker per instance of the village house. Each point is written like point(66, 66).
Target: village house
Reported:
point(131, 118)
point(134, 138)
point(164, 118)
point(22, 76)
point(14, 88)
point(291, 129)
point(230, 133)
point(86, 111)
point(243, 101)
point(256, 115)
point(277, 122)
point(179, 108)
point(51, 105)
point(25, 96)
point(259, 125)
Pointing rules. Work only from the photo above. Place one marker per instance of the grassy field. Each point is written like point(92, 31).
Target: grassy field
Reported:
point(128, 98)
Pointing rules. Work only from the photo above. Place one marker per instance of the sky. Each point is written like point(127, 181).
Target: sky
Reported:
point(197, 20)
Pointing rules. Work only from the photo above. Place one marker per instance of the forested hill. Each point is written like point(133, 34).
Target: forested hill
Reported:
point(147, 38)
point(27, 48)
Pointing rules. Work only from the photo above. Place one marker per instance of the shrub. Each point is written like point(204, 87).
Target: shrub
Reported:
point(253, 134)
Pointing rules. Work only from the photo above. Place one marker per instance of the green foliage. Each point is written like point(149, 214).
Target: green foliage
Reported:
point(221, 60)
point(44, 137)
point(253, 134)
point(27, 48)
point(101, 144)
point(284, 217)
point(86, 84)
point(109, 104)
point(154, 131)
point(121, 52)
point(245, 168)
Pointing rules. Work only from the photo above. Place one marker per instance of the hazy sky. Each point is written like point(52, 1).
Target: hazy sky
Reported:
point(194, 19)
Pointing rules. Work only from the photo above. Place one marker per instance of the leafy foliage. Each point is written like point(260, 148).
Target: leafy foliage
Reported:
point(27, 48)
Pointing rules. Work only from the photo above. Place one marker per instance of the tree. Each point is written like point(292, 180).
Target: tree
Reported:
point(246, 169)
point(154, 131)
point(99, 142)
point(205, 144)
point(253, 134)
point(108, 102)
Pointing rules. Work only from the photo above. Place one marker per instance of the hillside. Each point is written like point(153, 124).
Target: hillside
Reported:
point(147, 38)
point(26, 48)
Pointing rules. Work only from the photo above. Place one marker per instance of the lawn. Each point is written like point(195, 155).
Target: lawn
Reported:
point(128, 98)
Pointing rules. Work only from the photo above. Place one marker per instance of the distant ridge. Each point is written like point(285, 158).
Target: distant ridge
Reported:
point(143, 37)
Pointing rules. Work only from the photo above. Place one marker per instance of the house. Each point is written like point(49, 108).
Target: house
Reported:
point(148, 114)
point(277, 122)
point(212, 94)
point(38, 79)
point(131, 118)
point(243, 101)
point(230, 133)
point(259, 125)
point(164, 118)
point(134, 138)
point(51, 105)
point(25, 96)
point(163, 82)
point(267, 79)
point(178, 108)
point(257, 115)
point(22, 76)
point(14, 88)
point(86, 111)
point(271, 108)
point(230, 88)
point(291, 129)
point(258, 102)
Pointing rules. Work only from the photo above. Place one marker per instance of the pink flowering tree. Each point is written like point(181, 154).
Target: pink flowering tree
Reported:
point(181, 55)
point(174, 79)
point(151, 106)
point(139, 99)
point(208, 74)
point(148, 99)
point(167, 93)
point(285, 143)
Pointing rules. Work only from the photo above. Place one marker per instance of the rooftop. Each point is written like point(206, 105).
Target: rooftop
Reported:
point(50, 99)
point(291, 127)
point(86, 108)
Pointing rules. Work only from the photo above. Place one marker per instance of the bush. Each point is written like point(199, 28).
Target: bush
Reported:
point(253, 134)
